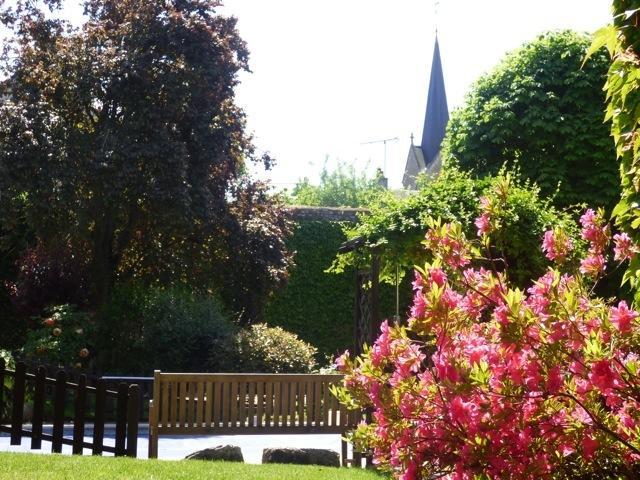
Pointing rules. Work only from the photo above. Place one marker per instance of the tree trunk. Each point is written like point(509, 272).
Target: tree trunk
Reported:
point(103, 265)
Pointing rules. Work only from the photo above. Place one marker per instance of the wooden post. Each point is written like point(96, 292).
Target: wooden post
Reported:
point(98, 419)
point(18, 403)
point(3, 366)
point(343, 445)
point(58, 411)
point(38, 409)
point(79, 418)
point(154, 406)
point(132, 420)
point(121, 420)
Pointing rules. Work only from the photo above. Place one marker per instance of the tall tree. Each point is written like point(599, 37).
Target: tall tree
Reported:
point(542, 109)
point(123, 136)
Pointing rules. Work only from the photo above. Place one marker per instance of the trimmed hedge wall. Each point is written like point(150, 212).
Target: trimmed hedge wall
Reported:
point(319, 306)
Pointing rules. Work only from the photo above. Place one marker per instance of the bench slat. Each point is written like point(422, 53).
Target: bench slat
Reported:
point(208, 404)
point(260, 404)
point(233, 416)
point(277, 403)
point(325, 403)
point(300, 404)
point(226, 403)
point(317, 400)
point(268, 404)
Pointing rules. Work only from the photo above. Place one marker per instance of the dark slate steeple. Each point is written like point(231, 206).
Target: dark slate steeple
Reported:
point(426, 156)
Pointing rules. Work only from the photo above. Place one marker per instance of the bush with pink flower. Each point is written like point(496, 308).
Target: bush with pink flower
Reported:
point(486, 380)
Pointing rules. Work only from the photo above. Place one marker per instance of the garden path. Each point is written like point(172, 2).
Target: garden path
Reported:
point(177, 447)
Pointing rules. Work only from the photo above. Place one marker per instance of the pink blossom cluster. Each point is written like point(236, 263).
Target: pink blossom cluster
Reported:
point(556, 245)
point(598, 234)
point(483, 222)
point(489, 381)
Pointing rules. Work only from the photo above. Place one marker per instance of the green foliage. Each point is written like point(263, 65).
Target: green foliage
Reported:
point(263, 349)
point(342, 187)
point(64, 337)
point(315, 305)
point(122, 138)
point(4, 387)
point(324, 318)
point(395, 227)
point(622, 40)
point(540, 108)
point(174, 329)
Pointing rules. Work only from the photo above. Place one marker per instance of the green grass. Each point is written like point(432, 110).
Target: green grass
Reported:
point(37, 466)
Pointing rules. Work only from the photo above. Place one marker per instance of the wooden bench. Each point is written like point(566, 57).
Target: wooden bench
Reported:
point(245, 404)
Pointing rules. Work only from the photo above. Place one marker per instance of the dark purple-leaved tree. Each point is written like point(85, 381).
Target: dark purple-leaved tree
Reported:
point(122, 138)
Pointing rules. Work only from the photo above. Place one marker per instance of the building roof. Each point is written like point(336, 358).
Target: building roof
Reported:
point(437, 114)
point(426, 156)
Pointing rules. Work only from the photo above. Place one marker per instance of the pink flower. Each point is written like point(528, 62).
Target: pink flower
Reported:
point(594, 230)
point(589, 446)
point(621, 317)
point(601, 375)
point(419, 306)
point(624, 248)
point(418, 281)
point(437, 276)
point(592, 265)
point(483, 223)
point(341, 361)
point(556, 245)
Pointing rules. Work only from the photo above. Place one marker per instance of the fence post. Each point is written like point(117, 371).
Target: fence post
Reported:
point(38, 409)
point(58, 411)
point(2, 369)
point(78, 419)
point(98, 419)
point(18, 403)
point(121, 420)
point(132, 420)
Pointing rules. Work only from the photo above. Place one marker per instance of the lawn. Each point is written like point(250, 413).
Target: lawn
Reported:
point(38, 466)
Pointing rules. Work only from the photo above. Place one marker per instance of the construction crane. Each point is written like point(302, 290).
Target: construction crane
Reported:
point(383, 141)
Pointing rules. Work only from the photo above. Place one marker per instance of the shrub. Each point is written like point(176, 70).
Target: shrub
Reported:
point(395, 227)
point(142, 329)
point(265, 349)
point(4, 387)
point(63, 337)
point(487, 380)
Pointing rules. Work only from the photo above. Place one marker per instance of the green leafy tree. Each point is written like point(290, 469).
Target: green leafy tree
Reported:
point(542, 110)
point(622, 40)
point(342, 187)
point(395, 227)
point(124, 139)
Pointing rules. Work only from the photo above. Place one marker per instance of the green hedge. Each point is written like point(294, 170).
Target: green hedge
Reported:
point(319, 306)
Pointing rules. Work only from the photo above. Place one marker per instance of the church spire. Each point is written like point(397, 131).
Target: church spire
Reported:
point(426, 156)
point(437, 114)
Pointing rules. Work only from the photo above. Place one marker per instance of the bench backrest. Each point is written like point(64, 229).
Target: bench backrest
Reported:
point(222, 403)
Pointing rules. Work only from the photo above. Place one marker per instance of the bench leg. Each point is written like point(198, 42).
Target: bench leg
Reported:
point(344, 452)
point(153, 431)
point(153, 445)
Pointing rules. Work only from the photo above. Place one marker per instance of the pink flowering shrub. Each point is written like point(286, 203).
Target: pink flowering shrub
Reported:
point(488, 381)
